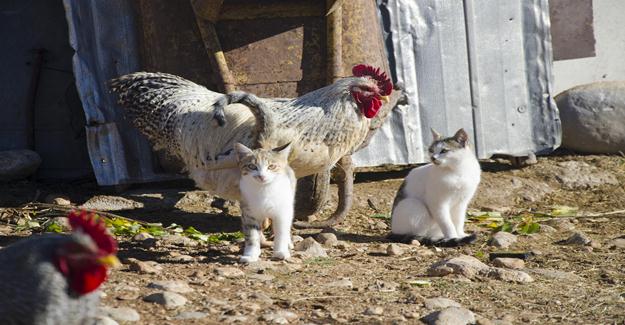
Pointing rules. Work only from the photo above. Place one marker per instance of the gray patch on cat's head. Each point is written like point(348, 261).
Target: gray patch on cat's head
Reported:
point(262, 163)
point(441, 147)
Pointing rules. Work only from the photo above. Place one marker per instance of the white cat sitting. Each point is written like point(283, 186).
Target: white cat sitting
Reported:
point(267, 187)
point(431, 204)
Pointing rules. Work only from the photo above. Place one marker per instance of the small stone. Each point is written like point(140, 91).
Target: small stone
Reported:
point(142, 236)
point(617, 243)
point(342, 245)
point(144, 267)
point(102, 320)
point(509, 263)
point(229, 272)
point(450, 316)
point(110, 203)
point(381, 225)
point(121, 314)
point(594, 244)
point(480, 320)
point(58, 199)
point(502, 239)
point(280, 317)
point(439, 303)
point(296, 239)
point(311, 248)
point(578, 238)
point(167, 299)
point(415, 242)
point(343, 283)
point(327, 239)
point(544, 228)
point(394, 250)
point(178, 240)
point(173, 286)
point(191, 315)
point(374, 311)
point(510, 275)
point(464, 265)
point(126, 293)
point(262, 297)
point(562, 224)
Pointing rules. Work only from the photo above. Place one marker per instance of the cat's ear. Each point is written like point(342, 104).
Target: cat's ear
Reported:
point(461, 137)
point(435, 135)
point(283, 150)
point(241, 150)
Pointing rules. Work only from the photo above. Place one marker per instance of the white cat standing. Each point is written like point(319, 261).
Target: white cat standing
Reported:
point(431, 204)
point(267, 187)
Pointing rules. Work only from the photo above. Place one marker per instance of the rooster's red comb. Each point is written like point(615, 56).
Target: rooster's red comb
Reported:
point(385, 84)
point(94, 227)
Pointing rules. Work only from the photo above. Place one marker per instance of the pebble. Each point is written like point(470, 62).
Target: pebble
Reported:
point(296, 239)
point(172, 286)
point(509, 263)
point(144, 267)
point(280, 317)
point(343, 283)
point(142, 236)
point(311, 248)
point(103, 320)
point(327, 239)
point(510, 275)
point(617, 243)
point(450, 316)
point(229, 272)
point(120, 314)
point(562, 224)
point(544, 228)
point(178, 240)
point(58, 199)
point(191, 315)
point(374, 311)
point(394, 250)
point(262, 297)
point(167, 299)
point(502, 239)
point(577, 238)
point(439, 303)
point(464, 265)
point(110, 203)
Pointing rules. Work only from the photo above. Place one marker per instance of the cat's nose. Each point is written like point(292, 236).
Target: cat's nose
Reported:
point(261, 178)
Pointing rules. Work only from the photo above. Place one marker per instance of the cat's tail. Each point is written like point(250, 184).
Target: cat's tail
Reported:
point(453, 242)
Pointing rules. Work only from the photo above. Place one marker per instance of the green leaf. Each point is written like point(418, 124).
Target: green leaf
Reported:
point(420, 283)
point(564, 211)
point(53, 227)
point(381, 216)
point(528, 228)
point(506, 227)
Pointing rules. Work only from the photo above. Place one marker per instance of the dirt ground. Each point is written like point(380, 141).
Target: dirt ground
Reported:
point(359, 282)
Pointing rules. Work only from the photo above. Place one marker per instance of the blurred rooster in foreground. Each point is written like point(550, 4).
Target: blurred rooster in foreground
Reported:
point(53, 279)
point(323, 126)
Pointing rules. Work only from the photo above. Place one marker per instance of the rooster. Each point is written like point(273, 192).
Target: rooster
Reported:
point(323, 126)
point(53, 279)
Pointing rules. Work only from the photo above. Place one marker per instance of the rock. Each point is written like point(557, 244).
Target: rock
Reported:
point(480, 320)
point(103, 320)
point(229, 272)
point(450, 316)
point(178, 240)
point(510, 275)
point(142, 236)
point(580, 175)
point(144, 267)
point(544, 228)
point(562, 224)
point(121, 314)
point(327, 239)
point(617, 243)
point(554, 274)
point(173, 286)
point(578, 238)
point(58, 199)
point(464, 265)
point(262, 297)
point(296, 239)
point(191, 315)
point(343, 283)
point(18, 164)
point(439, 303)
point(374, 311)
point(394, 250)
point(280, 317)
point(509, 263)
point(311, 248)
point(502, 239)
point(593, 117)
point(110, 203)
point(167, 299)
point(415, 242)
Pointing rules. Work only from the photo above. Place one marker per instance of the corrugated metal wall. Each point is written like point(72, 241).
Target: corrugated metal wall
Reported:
point(484, 65)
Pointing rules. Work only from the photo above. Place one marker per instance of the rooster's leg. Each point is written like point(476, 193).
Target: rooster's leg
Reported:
point(345, 181)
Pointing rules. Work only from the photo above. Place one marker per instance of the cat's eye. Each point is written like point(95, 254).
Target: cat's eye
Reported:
point(444, 150)
point(272, 167)
point(251, 167)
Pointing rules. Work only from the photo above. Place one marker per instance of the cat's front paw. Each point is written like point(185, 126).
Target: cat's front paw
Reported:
point(281, 255)
point(248, 259)
point(455, 242)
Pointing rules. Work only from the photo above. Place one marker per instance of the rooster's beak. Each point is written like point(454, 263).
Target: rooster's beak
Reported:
point(385, 99)
point(110, 260)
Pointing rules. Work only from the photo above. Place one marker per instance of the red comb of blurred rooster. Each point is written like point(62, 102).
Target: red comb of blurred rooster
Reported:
point(322, 126)
point(53, 279)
